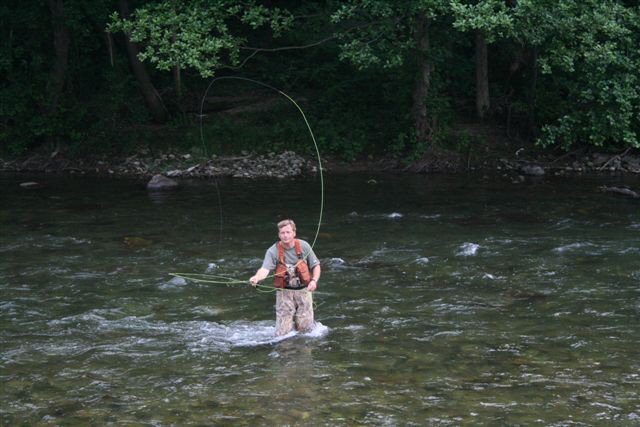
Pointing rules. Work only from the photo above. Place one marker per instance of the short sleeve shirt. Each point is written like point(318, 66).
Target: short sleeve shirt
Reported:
point(290, 256)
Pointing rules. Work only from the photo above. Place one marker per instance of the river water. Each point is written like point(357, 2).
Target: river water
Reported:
point(444, 300)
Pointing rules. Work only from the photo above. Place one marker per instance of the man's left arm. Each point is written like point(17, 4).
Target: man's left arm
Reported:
point(315, 276)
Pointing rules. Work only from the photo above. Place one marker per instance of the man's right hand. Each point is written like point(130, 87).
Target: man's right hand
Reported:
point(260, 275)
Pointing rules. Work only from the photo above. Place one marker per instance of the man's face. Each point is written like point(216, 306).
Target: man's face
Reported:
point(286, 234)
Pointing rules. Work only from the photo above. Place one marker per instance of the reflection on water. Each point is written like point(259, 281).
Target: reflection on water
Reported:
point(443, 301)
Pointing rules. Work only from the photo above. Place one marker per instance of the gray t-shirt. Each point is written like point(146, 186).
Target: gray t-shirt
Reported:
point(290, 257)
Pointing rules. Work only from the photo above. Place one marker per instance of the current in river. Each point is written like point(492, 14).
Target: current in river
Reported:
point(444, 301)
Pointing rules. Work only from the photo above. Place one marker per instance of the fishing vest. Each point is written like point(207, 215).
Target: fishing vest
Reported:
point(296, 277)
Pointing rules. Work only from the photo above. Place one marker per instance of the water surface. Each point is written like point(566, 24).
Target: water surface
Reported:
point(444, 301)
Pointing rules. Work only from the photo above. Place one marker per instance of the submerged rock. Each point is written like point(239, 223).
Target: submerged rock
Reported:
point(178, 281)
point(31, 185)
point(620, 190)
point(532, 170)
point(136, 242)
point(161, 182)
point(337, 262)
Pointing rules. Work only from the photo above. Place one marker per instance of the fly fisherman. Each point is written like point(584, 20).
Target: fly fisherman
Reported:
point(297, 271)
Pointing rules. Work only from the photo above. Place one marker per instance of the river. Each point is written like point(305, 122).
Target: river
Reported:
point(444, 300)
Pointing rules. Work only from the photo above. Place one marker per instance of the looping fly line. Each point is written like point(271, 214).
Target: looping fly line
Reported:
point(223, 280)
point(219, 280)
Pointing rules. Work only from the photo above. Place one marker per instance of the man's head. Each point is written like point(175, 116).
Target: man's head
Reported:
point(287, 231)
point(286, 222)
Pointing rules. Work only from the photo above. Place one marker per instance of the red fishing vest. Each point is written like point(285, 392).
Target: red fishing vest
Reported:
point(281, 279)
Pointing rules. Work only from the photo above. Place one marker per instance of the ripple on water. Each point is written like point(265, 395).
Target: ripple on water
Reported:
point(430, 216)
point(11, 248)
point(391, 216)
point(468, 249)
point(630, 250)
point(8, 308)
point(207, 310)
point(389, 256)
point(52, 241)
point(174, 283)
point(209, 335)
point(450, 308)
point(587, 248)
point(565, 223)
point(146, 337)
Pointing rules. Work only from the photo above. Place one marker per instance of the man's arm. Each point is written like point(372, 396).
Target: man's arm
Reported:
point(315, 276)
point(260, 275)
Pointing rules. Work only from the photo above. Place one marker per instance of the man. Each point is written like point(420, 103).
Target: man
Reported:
point(297, 271)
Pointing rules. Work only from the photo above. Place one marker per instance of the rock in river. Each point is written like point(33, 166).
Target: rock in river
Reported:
point(161, 182)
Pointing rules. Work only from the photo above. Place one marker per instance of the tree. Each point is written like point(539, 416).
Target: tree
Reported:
point(203, 35)
point(151, 97)
point(585, 52)
point(60, 63)
point(36, 71)
point(24, 71)
point(385, 34)
point(487, 20)
point(588, 55)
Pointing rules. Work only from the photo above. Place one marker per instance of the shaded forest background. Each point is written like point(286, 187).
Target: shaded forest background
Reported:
point(375, 78)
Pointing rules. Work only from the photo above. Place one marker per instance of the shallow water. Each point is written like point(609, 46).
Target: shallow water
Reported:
point(443, 301)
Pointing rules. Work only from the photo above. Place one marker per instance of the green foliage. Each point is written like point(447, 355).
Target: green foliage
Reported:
point(256, 132)
point(345, 142)
point(22, 77)
point(387, 35)
point(115, 116)
point(381, 32)
point(197, 34)
point(406, 146)
point(274, 132)
point(566, 71)
point(28, 116)
point(492, 17)
point(589, 53)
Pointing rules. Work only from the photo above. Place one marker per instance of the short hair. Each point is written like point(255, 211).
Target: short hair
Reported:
point(286, 222)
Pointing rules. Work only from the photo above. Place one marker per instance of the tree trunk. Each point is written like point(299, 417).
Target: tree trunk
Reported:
point(177, 81)
point(58, 72)
point(482, 76)
point(177, 78)
point(423, 81)
point(109, 40)
point(151, 97)
point(533, 92)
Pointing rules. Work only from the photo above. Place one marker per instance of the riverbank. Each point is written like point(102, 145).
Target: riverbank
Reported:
point(173, 165)
point(289, 164)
